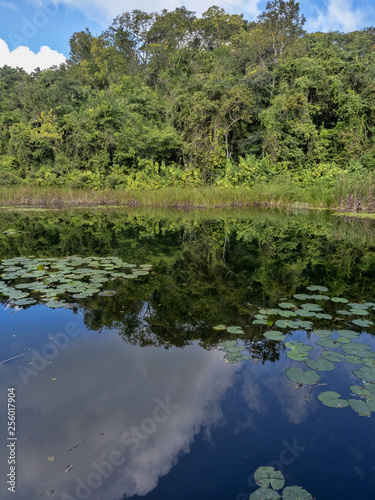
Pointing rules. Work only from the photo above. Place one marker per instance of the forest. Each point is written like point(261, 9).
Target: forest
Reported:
point(172, 99)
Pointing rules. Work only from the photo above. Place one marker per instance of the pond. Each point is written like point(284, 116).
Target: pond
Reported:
point(169, 354)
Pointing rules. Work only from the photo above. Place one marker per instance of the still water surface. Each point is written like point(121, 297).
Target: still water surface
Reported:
point(129, 395)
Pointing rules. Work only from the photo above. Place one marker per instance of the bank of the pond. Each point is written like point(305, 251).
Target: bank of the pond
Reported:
point(279, 192)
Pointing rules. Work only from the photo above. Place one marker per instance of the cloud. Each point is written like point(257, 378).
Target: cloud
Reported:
point(9, 5)
point(103, 11)
point(338, 15)
point(23, 57)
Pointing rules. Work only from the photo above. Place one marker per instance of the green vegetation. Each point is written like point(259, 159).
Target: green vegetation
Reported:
point(270, 481)
point(171, 100)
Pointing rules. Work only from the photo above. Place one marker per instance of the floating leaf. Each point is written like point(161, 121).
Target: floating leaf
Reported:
point(219, 327)
point(356, 348)
point(362, 322)
point(332, 399)
point(305, 313)
point(323, 316)
point(332, 356)
point(355, 360)
point(107, 293)
point(360, 407)
point(297, 375)
point(274, 335)
point(51, 458)
point(350, 334)
point(359, 306)
point(323, 333)
point(321, 364)
point(317, 288)
point(286, 305)
point(264, 476)
point(331, 344)
point(366, 373)
point(237, 330)
point(297, 355)
point(296, 493)
point(301, 296)
point(264, 494)
point(339, 299)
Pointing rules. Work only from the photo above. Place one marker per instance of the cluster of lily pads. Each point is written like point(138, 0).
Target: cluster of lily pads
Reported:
point(271, 482)
point(339, 344)
point(56, 281)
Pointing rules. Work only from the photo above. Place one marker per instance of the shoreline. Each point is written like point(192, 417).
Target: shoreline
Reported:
point(265, 195)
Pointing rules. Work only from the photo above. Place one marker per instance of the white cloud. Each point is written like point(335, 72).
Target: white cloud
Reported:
point(23, 57)
point(338, 15)
point(9, 5)
point(103, 11)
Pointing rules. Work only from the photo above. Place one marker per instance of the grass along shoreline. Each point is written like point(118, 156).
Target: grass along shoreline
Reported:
point(353, 195)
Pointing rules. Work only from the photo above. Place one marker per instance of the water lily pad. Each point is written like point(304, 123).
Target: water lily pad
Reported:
point(297, 375)
point(274, 335)
point(265, 476)
point(359, 312)
point(320, 297)
point(301, 296)
point(321, 364)
point(237, 330)
point(260, 322)
point(55, 303)
point(323, 316)
point(323, 333)
point(332, 356)
point(350, 334)
point(360, 407)
point(356, 348)
point(354, 305)
point(344, 313)
point(332, 399)
point(24, 302)
point(340, 300)
point(317, 288)
point(107, 293)
point(311, 307)
point(296, 493)
point(219, 327)
point(342, 340)
point(297, 355)
point(264, 494)
point(286, 305)
point(329, 343)
point(362, 322)
point(366, 374)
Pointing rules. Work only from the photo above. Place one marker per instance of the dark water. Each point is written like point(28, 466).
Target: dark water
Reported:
point(129, 396)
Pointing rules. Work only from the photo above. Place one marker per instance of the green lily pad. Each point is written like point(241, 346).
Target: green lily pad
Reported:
point(286, 305)
point(354, 305)
point(296, 493)
point(329, 343)
point(219, 327)
point(350, 334)
point(359, 312)
point(323, 316)
point(317, 288)
point(297, 375)
point(321, 364)
point(287, 314)
point(362, 322)
point(367, 374)
point(344, 313)
point(340, 300)
point(323, 333)
point(297, 355)
point(360, 407)
point(24, 302)
point(274, 335)
point(320, 297)
point(237, 330)
point(333, 356)
point(264, 494)
point(332, 399)
point(355, 348)
point(311, 307)
point(265, 476)
point(343, 340)
point(107, 293)
point(301, 296)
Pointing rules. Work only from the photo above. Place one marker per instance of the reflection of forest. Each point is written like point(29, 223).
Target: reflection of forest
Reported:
point(209, 267)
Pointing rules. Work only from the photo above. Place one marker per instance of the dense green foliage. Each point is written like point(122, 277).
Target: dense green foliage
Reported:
point(168, 98)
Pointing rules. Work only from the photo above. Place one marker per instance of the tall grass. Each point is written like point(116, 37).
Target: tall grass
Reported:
point(349, 194)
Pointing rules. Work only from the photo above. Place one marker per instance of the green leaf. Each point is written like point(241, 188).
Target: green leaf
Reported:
point(360, 407)
point(317, 288)
point(332, 399)
point(274, 335)
point(219, 327)
point(297, 375)
point(321, 364)
point(362, 322)
point(237, 330)
point(264, 494)
point(268, 475)
point(296, 493)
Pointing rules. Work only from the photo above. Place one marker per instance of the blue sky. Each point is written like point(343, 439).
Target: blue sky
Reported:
point(36, 32)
